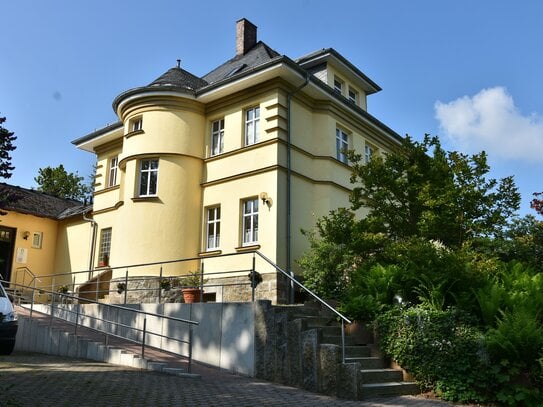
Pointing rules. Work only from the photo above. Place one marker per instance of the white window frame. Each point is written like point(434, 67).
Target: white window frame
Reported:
point(353, 96)
point(105, 246)
point(252, 125)
point(148, 177)
point(249, 228)
point(113, 166)
point(342, 144)
point(369, 151)
point(217, 137)
point(338, 85)
point(213, 228)
point(136, 124)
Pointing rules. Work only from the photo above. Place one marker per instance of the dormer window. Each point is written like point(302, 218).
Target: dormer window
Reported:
point(353, 96)
point(338, 85)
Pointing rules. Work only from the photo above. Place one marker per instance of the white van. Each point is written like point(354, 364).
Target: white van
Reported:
point(8, 323)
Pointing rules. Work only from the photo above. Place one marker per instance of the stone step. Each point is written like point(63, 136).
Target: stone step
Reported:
point(336, 340)
point(371, 362)
point(312, 322)
point(328, 330)
point(298, 311)
point(381, 375)
point(357, 351)
point(388, 389)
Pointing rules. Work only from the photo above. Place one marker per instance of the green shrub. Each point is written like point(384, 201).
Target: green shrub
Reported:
point(442, 350)
point(516, 350)
point(370, 292)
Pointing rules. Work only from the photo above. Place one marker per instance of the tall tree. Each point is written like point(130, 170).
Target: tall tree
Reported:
point(6, 147)
point(537, 202)
point(421, 190)
point(57, 181)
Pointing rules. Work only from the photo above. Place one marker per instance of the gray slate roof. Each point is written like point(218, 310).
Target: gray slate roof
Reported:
point(179, 78)
point(32, 202)
point(258, 55)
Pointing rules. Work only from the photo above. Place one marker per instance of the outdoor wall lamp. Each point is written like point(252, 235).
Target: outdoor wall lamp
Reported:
point(266, 200)
point(26, 233)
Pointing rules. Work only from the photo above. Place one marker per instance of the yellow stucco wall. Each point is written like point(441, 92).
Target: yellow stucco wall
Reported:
point(38, 260)
point(176, 130)
point(73, 250)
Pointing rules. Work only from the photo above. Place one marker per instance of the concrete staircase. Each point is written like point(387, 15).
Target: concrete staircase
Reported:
point(311, 338)
point(42, 335)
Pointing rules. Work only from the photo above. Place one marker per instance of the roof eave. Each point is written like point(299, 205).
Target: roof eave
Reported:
point(325, 54)
point(216, 90)
point(134, 93)
point(89, 141)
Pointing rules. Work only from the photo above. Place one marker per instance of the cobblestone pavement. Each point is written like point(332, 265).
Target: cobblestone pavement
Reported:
point(31, 379)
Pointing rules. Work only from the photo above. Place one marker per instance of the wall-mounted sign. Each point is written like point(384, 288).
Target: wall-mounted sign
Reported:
point(22, 254)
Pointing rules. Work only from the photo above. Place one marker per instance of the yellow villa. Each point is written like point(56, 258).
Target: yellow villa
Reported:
point(206, 170)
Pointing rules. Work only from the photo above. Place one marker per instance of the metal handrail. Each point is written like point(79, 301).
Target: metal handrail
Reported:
point(344, 319)
point(293, 280)
point(26, 271)
point(143, 331)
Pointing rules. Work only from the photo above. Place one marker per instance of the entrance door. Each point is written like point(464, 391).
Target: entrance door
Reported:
point(7, 246)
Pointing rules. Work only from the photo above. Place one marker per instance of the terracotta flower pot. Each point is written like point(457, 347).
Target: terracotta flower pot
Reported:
point(191, 295)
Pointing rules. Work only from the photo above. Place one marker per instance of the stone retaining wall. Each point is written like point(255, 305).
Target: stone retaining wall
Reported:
point(146, 290)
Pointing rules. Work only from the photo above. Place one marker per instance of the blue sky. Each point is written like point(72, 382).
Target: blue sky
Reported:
point(468, 71)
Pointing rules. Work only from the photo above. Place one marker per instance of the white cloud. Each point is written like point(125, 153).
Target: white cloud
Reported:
point(490, 121)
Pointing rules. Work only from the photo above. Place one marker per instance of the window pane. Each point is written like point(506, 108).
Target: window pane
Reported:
point(152, 183)
point(143, 184)
point(250, 221)
point(105, 246)
point(252, 119)
point(213, 227)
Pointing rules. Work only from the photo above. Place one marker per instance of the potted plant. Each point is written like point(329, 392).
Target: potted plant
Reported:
point(255, 278)
point(104, 262)
point(165, 284)
point(362, 309)
point(121, 287)
point(63, 289)
point(192, 292)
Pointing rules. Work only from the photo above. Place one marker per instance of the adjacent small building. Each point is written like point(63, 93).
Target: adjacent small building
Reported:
point(208, 168)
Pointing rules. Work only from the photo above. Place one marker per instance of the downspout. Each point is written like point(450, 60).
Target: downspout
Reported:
point(94, 228)
point(289, 173)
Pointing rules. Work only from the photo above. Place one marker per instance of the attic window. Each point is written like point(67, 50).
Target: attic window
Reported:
point(353, 96)
point(338, 85)
point(235, 70)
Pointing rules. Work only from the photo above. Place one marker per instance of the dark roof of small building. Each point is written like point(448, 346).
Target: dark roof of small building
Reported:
point(32, 202)
point(257, 55)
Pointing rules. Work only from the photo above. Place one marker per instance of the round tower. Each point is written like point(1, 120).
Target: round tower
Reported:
point(161, 164)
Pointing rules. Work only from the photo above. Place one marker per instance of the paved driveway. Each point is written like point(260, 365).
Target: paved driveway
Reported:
point(30, 379)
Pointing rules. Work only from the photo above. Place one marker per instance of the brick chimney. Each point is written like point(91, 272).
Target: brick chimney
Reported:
point(245, 36)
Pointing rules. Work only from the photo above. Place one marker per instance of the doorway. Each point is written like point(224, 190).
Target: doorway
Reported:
point(7, 247)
